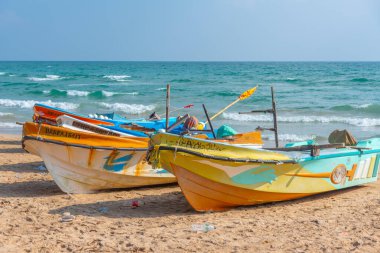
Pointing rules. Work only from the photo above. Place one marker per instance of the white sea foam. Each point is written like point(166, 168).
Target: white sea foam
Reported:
point(289, 137)
point(161, 88)
point(46, 78)
point(9, 125)
point(108, 93)
point(132, 93)
point(128, 108)
point(364, 122)
point(2, 73)
point(5, 114)
point(118, 78)
point(78, 93)
point(30, 104)
point(362, 106)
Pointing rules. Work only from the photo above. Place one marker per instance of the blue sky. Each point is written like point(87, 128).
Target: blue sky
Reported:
point(197, 30)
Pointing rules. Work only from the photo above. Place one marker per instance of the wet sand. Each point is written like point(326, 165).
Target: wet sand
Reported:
point(31, 206)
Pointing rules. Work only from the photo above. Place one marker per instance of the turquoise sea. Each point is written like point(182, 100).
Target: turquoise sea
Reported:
point(313, 98)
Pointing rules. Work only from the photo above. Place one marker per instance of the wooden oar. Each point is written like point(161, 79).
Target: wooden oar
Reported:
point(246, 94)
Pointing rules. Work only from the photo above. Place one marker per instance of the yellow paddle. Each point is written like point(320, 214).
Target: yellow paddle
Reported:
point(246, 94)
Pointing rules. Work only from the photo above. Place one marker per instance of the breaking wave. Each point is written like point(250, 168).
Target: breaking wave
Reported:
point(30, 104)
point(79, 93)
point(46, 78)
point(128, 108)
point(289, 137)
point(118, 78)
point(292, 80)
point(363, 122)
point(366, 108)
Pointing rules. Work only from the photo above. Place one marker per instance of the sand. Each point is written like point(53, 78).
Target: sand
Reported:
point(31, 206)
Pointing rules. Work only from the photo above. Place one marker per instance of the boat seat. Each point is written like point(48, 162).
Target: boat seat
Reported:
point(342, 136)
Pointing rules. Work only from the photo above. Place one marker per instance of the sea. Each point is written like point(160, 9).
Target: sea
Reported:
point(313, 98)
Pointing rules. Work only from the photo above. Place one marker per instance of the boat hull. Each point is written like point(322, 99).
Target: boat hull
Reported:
point(207, 195)
point(215, 179)
point(83, 163)
point(82, 170)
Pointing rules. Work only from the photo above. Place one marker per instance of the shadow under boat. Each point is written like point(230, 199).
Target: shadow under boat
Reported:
point(23, 167)
point(173, 203)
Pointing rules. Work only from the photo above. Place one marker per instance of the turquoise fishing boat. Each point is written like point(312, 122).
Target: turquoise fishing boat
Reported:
point(218, 176)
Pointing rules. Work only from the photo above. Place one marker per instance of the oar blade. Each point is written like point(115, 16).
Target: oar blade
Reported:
point(246, 94)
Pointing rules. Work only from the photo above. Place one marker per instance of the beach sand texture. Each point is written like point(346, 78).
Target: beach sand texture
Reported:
point(31, 206)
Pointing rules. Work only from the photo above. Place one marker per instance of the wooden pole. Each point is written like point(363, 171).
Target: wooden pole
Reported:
point(167, 105)
point(209, 121)
point(225, 108)
point(274, 117)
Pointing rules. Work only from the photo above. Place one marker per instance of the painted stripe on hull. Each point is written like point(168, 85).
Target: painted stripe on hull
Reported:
point(207, 195)
point(366, 168)
point(377, 165)
point(359, 170)
point(371, 167)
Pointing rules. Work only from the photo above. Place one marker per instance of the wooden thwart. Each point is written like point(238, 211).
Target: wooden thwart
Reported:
point(314, 149)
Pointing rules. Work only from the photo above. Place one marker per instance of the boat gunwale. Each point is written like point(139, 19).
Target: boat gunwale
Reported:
point(277, 162)
point(79, 145)
point(349, 152)
point(220, 158)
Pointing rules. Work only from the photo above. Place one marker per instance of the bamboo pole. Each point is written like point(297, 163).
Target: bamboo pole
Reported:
point(167, 105)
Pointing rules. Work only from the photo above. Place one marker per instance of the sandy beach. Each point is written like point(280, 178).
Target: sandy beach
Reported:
point(31, 206)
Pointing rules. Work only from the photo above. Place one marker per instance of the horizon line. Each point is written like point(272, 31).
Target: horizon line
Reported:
point(200, 61)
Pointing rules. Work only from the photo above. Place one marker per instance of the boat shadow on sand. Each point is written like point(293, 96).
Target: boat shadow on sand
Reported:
point(23, 167)
point(173, 203)
point(9, 142)
point(12, 150)
point(29, 189)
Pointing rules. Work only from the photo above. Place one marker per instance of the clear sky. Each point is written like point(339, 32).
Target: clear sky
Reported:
point(197, 30)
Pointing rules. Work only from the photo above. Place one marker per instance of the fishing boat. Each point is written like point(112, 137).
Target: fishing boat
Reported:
point(218, 176)
point(137, 127)
point(83, 162)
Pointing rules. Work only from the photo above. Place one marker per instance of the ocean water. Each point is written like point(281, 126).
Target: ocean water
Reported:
point(313, 98)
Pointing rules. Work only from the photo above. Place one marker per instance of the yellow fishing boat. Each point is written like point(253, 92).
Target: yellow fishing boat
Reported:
point(81, 162)
point(84, 162)
point(217, 176)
